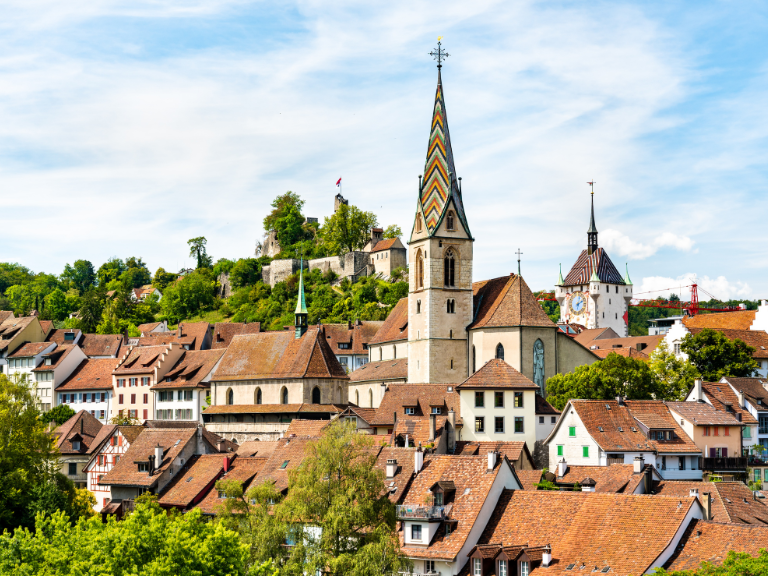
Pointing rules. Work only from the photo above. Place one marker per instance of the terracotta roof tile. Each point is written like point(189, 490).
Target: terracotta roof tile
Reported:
point(711, 542)
point(681, 488)
point(384, 244)
point(56, 357)
point(497, 374)
point(381, 370)
point(81, 427)
point(736, 320)
point(544, 407)
point(193, 334)
point(586, 336)
point(395, 327)
point(506, 301)
point(194, 481)
point(754, 390)
point(422, 396)
point(192, 370)
point(306, 428)
point(288, 455)
point(366, 414)
point(587, 263)
point(11, 327)
point(223, 332)
point(626, 352)
point(140, 360)
point(5, 314)
point(529, 478)
point(147, 327)
point(243, 470)
point(100, 344)
point(258, 448)
point(616, 478)
point(721, 395)
point(90, 374)
point(355, 334)
point(398, 485)
point(512, 450)
point(702, 414)
point(63, 336)
point(32, 349)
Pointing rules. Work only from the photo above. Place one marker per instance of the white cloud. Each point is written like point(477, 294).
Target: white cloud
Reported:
point(720, 288)
point(622, 245)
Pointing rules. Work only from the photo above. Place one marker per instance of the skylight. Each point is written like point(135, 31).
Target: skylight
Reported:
point(284, 465)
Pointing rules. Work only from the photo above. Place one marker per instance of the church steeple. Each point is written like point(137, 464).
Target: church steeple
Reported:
point(592, 232)
point(301, 306)
point(440, 185)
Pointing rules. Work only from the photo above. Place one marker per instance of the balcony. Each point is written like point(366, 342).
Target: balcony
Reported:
point(725, 464)
point(676, 474)
point(414, 512)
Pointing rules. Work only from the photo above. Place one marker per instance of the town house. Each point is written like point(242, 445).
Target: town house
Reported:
point(108, 447)
point(15, 332)
point(73, 439)
point(55, 368)
point(89, 387)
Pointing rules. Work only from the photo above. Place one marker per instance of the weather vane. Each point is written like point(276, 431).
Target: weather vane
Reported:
point(592, 184)
point(438, 53)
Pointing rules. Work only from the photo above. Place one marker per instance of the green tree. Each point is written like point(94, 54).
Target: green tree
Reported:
point(136, 273)
point(81, 275)
point(91, 309)
point(348, 229)
point(116, 314)
point(735, 564)
point(188, 296)
point(675, 374)
point(197, 249)
point(393, 231)
point(614, 376)
point(161, 279)
point(59, 414)
point(56, 305)
point(284, 204)
point(12, 274)
point(715, 356)
point(110, 270)
point(245, 272)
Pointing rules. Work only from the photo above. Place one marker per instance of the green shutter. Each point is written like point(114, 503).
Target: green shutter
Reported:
point(585, 450)
point(559, 449)
point(572, 431)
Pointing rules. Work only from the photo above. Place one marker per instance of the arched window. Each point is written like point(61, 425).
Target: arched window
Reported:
point(315, 396)
point(418, 223)
point(357, 398)
point(284, 395)
point(419, 270)
point(370, 396)
point(449, 221)
point(449, 265)
point(230, 397)
point(474, 360)
point(258, 395)
point(500, 351)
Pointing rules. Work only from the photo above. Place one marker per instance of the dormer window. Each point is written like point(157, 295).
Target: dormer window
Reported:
point(410, 410)
point(437, 410)
point(47, 361)
point(75, 445)
point(69, 336)
point(143, 466)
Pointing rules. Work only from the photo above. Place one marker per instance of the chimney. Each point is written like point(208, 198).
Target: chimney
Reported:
point(226, 464)
point(158, 455)
point(707, 504)
point(546, 557)
point(697, 390)
point(741, 399)
point(647, 480)
point(620, 400)
point(151, 464)
point(452, 431)
point(491, 461)
point(694, 493)
point(562, 467)
point(639, 464)
point(431, 427)
point(406, 441)
point(418, 461)
point(391, 468)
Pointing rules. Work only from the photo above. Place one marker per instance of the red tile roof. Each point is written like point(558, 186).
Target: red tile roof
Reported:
point(626, 352)
point(421, 396)
point(515, 452)
point(306, 428)
point(31, 349)
point(356, 334)
point(497, 374)
point(140, 360)
point(736, 320)
point(711, 542)
point(193, 334)
point(395, 327)
point(681, 488)
point(10, 328)
point(60, 336)
point(529, 478)
point(81, 427)
point(258, 448)
point(288, 455)
point(398, 485)
point(90, 374)
point(194, 481)
point(56, 357)
point(506, 301)
point(586, 336)
point(243, 470)
point(702, 414)
point(192, 370)
point(753, 388)
point(616, 478)
point(385, 244)
point(223, 332)
point(381, 371)
point(100, 344)
point(544, 407)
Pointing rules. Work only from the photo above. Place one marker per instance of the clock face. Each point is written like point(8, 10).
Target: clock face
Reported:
point(578, 303)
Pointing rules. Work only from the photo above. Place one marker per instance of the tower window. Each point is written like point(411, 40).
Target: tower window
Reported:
point(419, 270)
point(500, 351)
point(450, 269)
point(449, 221)
point(451, 363)
point(418, 306)
point(418, 223)
point(451, 306)
point(474, 360)
point(230, 397)
point(451, 337)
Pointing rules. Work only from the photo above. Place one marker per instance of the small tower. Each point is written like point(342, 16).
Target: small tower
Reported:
point(301, 306)
point(592, 232)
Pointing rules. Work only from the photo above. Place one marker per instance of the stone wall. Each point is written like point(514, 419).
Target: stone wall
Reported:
point(279, 270)
point(225, 287)
point(334, 263)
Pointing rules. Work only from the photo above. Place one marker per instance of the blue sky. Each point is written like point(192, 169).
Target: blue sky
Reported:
point(127, 128)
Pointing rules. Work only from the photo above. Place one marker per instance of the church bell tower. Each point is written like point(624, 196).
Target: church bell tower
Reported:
point(440, 253)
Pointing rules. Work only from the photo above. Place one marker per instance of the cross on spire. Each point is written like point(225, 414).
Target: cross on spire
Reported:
point(438, 53)
point(519, 253)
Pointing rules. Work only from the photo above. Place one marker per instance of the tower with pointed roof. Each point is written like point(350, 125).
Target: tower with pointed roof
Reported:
point(301, 306)
point(594, 294)
point(440, 252)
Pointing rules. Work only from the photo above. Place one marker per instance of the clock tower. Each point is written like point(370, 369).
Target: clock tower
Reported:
point(594, 294)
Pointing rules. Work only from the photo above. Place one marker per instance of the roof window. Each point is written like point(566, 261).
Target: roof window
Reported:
point(570, 566)
point(284, 465)
point(621, 429)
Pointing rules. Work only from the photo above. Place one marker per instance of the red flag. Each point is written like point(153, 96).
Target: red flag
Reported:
point(338, 182)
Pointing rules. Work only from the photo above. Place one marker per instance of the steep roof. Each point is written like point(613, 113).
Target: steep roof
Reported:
point(147, 327)
point(5, 314)
point(31, 349)
point(472, 482)
point(721, 394)
point(100, 344)
point(306, 428)
point(626, 352)
point(496, 374)
point(258, 448)
point(82, 426)
point(56, 357)
point(279, 355)
point(506, 301)
point(192, 370)
point(586, 336)
point(381, 370)
point(387, 244)
point(192, 334)
point(588, 529)
point(711, 542)
point(682, 488)
point(90, 374)
point(440, 185)
point(512, 450)
point(616, 478)
point(397, 486)
point(753, 388)
point(355, 334)
point(192, 483)
point(703, 414)
point(223, 332)
point(544, 407)
point(11, 327)
point(736, 320)
point(395, 327)
point(59, 336)
point(140, 360)
point(288, 455)
point(587, 264)
point(421, 396)
point(243, 470)
point(757, 339)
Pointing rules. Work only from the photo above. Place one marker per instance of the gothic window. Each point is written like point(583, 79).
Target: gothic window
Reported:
point(500, 351)
point(258, 395)
point(284, 395)
point(418, 223)
point(315, 396)
point(419, 270)
point(230, 397)
point(449, 266)
point(451, 306)
point(449, 221)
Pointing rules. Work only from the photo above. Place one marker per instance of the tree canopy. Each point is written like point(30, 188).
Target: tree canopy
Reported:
point(348, 229)
point(715, 356)
point(198, 250)
point(734, 564)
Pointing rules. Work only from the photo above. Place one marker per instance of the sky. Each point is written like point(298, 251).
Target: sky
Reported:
point(129, 127)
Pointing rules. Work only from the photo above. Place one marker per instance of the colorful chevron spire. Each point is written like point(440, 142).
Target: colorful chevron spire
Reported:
point(440, 184)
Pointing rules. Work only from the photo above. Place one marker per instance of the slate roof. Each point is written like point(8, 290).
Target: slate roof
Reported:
point(589, 529)
point(90, 374)
point(31, 349)
point(140, 360)
point(306, 428)
point(126, 471)
point(757, 339)
point(586, 264)
point(711, 542)
point(223, 332)
point(100, 344)
point(616, 478)
point(497, 374)
point(56, 356)
point(543, 407)
point(702, 414)
point(381, 370)
point(356, 334)
point(736, 320)
point(721, 394)
point(506, 301)
point(194, 481)
point(275, 409)
point(243, 470)
point(753, 389)
point(610, 416)
point(192, 370)
point(398, 485)
point(59, 336)
point(421, 396)
point(268, 355)
point(82, 426)
point(395, 327)
point(473, 483)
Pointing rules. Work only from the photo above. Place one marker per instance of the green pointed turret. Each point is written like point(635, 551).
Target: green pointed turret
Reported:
point(627, 281)
point(301, 306)
point(560, 280)
point(594, 277)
